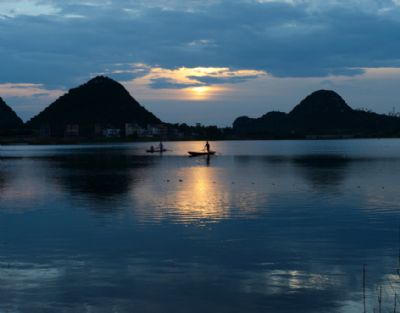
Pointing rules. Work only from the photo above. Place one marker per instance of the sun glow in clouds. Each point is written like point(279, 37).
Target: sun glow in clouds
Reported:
point(200, 92)
point(195, 84)
point(203, 93)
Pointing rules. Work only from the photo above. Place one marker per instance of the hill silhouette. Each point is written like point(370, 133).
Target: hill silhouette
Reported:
point(323, 113)
point(99, 101)
point(9, 121)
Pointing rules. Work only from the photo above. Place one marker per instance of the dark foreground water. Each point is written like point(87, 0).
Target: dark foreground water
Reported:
point(282, 226)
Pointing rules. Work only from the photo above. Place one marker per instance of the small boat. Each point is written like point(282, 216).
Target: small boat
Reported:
point(156, 150)
point(198, 153)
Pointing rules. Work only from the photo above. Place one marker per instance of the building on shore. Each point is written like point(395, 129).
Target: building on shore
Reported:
point(71, 131)
point(133, 130)
point(112, 132)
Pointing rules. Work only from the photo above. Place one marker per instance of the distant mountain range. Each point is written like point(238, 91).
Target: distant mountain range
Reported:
point(9, 120)
point(100, 101)
point(322, 114)
point(105, 102)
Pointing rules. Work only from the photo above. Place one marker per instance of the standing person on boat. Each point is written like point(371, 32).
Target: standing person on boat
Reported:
point(161, 146)
point(207, 147)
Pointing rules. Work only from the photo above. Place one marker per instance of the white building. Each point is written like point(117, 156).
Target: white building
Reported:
point(112, 132)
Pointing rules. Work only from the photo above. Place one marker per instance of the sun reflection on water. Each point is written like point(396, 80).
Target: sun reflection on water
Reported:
point(202, 197)
point(197, 194)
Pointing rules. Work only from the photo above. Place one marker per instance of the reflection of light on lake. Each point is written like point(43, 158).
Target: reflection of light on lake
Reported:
point(21, 276)
point(26, 187)
point(381, 201)
point(23, 192)
point(202, 197)
point(283, 281)
point(198, 193)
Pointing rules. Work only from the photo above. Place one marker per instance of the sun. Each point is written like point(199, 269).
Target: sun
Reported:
point(201, 92)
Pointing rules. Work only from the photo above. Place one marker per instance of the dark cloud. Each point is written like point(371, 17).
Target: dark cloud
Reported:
point(282, 39)
point(165, 83)
point(212, 80)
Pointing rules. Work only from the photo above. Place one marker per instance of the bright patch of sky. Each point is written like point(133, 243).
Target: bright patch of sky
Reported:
point(26, 90)
point(183, 77)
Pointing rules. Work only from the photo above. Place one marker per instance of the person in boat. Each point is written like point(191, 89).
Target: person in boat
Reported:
point(207, 147)
point(161, 146)
point(151, 149)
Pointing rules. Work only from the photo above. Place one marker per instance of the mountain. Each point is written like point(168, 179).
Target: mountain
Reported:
point(323, 110)
point(322, 113)
point(99, 101)
point(8, 118)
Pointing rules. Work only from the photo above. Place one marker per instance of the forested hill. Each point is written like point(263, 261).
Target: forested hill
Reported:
point(9, 121)
point(323, 113)
point(99, 101)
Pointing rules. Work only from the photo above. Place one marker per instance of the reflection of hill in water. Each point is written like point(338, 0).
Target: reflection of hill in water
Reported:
point(323, 170)
point(318, 170)
point(99, 176)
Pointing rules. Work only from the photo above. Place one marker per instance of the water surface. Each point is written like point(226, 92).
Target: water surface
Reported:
point(264, 226)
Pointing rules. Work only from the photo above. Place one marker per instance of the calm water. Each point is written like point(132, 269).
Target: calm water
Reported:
point(281, 226)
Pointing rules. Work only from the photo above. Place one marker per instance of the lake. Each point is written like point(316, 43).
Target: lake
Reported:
point(263, 226)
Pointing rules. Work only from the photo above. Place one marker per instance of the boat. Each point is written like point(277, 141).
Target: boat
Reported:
point(156, 150)
point(199, 153)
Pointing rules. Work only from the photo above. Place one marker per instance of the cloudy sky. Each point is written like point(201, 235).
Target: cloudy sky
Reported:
point(205, 61)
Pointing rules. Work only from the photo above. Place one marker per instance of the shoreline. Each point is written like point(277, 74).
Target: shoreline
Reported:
point(82, 141)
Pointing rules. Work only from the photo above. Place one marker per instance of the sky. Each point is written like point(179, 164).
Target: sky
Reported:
point(202, 61)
